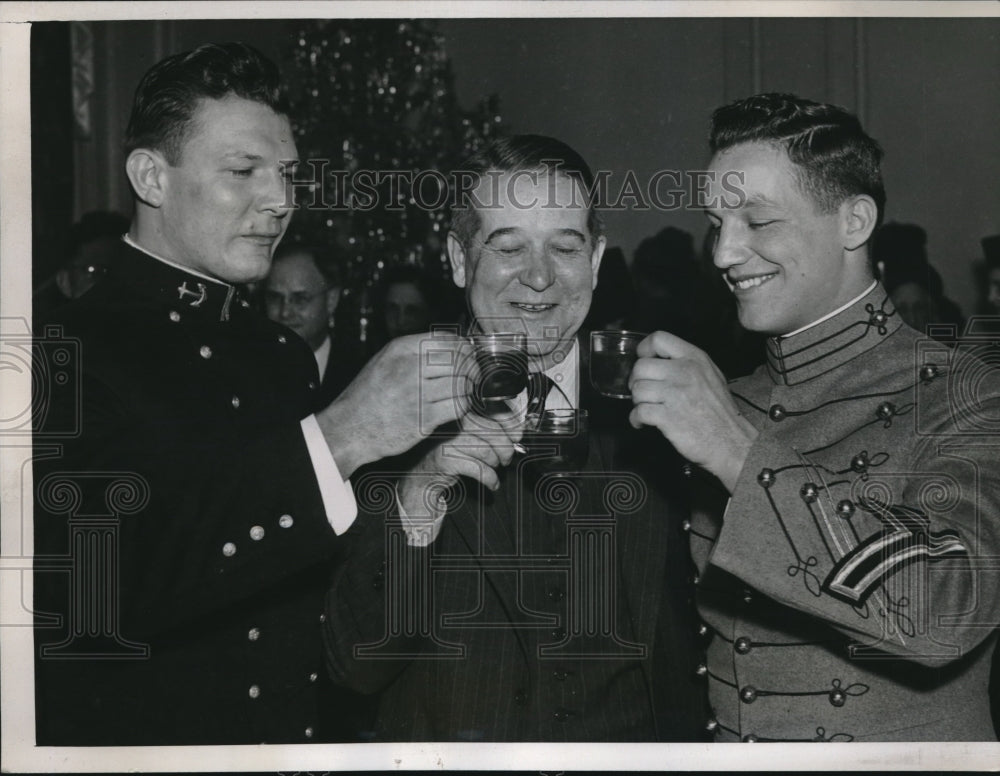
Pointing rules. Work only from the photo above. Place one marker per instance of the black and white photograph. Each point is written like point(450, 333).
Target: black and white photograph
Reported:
point(514, 386)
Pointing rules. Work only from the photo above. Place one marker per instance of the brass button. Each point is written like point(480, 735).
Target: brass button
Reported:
point(236, 402)
point(845, 508)
point(322, 618)
point(285, 521)
point(174, 316)
point(777, 413)
point(750, 738)
point(205, 351)
point(309, 732)
point(281, 339)
point(701, 670)
point(766, 478)
point(712, 724)
point(257, 533)
point(313, 676)
point(748, 694)
point(254, 691)
point(253, 634)
point(809, 492)
point(743, 645)
point(229, 549)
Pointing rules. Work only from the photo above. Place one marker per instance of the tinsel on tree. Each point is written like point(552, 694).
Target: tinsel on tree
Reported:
point(377, 96)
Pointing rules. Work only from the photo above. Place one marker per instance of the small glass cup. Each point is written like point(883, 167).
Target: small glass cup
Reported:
point(556, 442)
point(612, 356)
point(503, 366)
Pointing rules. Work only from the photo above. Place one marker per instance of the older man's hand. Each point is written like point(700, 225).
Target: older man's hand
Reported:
point(412, 386)
point(678, 389)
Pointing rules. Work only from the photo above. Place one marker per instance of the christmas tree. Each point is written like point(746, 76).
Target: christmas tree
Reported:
point(376, 98)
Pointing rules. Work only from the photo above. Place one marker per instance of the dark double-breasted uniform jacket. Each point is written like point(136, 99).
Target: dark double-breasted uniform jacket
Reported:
point(847, 591)
point(181, 539)
point(554, 609)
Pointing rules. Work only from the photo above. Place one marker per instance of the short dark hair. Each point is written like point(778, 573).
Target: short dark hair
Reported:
point(837, 159)
point(168, 94)
point(510, 154)
point(324, 260)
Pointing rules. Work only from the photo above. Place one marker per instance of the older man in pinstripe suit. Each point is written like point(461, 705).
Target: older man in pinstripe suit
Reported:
point(511, 610)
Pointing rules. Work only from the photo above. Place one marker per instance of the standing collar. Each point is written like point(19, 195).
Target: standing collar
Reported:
point(187, 292)
point(833, 340)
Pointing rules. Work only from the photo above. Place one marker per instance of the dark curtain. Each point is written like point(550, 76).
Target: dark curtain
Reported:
point(51, 149)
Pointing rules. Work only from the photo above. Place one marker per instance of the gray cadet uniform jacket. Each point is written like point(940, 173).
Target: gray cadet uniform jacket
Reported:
point(844, 591)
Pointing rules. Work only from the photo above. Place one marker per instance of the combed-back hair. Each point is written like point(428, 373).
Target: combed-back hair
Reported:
point(511, 154)
point(835, 157)
point(325, 259)
point(169, 92)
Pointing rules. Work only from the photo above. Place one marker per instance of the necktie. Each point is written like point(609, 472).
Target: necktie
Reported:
point(539, 385)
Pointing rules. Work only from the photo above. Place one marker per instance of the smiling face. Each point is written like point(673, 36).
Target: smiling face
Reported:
point(225, 205)
point(296, 295)
point(532, 263)
point(787, 262)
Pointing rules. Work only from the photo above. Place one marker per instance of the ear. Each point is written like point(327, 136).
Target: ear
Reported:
point(456, 255)
point(595, 258)
point(858, 217)
point(146, 171)
point(332, 300)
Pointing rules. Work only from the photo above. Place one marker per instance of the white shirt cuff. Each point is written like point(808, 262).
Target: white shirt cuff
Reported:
point(338, 498)
point(421, 531)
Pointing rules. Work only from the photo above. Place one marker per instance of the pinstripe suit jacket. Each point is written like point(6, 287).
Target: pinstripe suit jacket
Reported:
point(494, 650)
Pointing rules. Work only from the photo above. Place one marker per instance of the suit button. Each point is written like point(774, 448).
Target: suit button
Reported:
point(254, 691)
point(281, 339)
point(236, 402)
point(748, 694)
point(777, 413)
point(701, 670)
point(205, 351)
point(309, 732)
point(686, 525)
point(322, 618)
point(520, 697)
point(174, 316)
point(743, 645)
point(313, 385)
point(229, 549)
point(703, 630)
point(257, 533)
point(750, 738)
point(561, 715)
point(286, 521)
point(711, 725)
point(253, 634)
point(845, 508)
point(766, 478)
point(747, 596)
point(313, 676)
point(838, 697)
point(928, 372)
point(859, 463)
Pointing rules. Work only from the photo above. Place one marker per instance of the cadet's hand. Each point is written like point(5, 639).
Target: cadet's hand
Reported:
point(397, 399)
point(678, 389)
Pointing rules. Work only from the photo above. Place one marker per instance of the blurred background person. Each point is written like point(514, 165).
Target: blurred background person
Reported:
point(991, 251)
point(91, 248)
point(409, 300)
point(614, 299)
point(900, 256)
point(302, 291)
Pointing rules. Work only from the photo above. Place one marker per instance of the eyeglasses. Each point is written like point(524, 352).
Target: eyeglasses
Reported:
point(297, 300)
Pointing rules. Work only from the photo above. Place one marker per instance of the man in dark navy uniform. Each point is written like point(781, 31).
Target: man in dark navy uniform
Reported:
point(187, 502)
